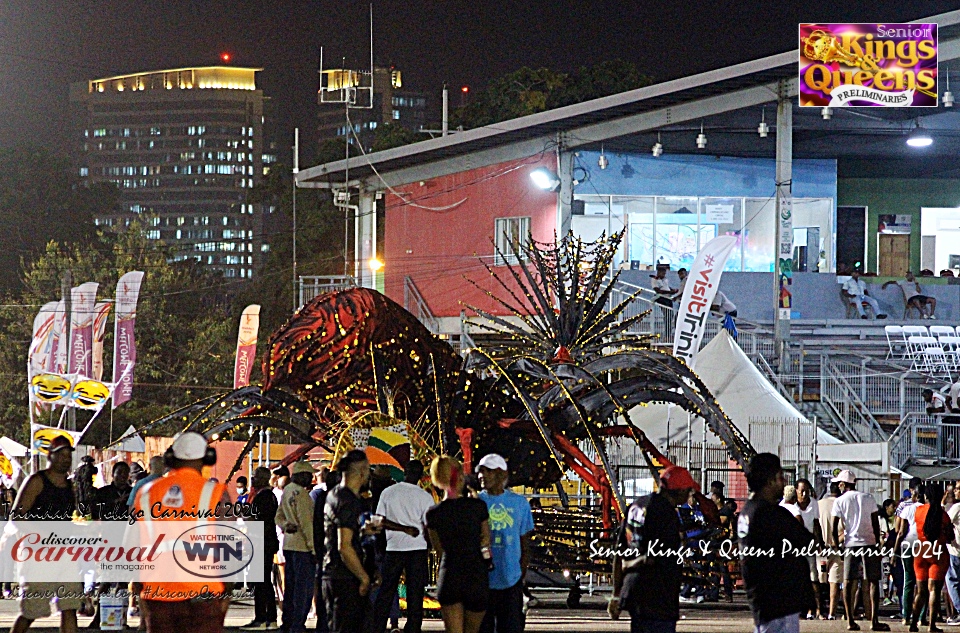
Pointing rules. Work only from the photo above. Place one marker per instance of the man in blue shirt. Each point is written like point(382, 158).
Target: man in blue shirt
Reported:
point(511, 524)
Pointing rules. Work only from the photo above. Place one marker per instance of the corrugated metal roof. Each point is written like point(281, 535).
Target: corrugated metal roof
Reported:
point(611, 108)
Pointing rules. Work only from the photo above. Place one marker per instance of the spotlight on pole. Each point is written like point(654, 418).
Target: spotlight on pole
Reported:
point(545, 179)
point(763, 129)
point(657, 148)
point(701, 138)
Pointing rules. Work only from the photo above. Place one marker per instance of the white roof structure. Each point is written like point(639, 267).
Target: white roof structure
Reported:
point(742, 391)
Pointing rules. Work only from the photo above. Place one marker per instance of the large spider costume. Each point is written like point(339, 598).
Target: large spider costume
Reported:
point(552, 383)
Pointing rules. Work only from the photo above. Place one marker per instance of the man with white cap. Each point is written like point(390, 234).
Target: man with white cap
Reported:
point(295, 518)
point(167, 608)
point(861, 527)
point(511, 523)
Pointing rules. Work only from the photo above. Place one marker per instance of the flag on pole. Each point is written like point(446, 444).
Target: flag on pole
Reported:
point(58, 347)
point(246, 346)
point(39, 354)
point(702, 284)
point(100, 313)
point(80, 354)
point(124, 346)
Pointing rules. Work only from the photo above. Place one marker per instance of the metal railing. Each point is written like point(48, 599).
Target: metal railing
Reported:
point(856, 421)
point(924, 437)
point(312, 286)
point(414, 303)
point(754, 339)
point(888, 390)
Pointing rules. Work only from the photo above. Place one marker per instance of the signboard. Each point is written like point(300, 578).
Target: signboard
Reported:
point(854, 65)
point(718, 214)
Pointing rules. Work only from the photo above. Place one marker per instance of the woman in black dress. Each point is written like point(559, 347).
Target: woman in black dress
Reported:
point(461, 535)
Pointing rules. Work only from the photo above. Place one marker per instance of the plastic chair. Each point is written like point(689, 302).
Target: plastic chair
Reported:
point(916, 330)
point(935, 361)
point(942, 330)
point(895, 341)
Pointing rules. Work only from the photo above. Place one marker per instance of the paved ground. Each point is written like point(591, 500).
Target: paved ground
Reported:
point(552, 616)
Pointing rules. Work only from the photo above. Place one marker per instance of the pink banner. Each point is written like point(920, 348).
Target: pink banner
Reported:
point(80, 354)
point(124, 346)
point(246, 346)
point(100, 313)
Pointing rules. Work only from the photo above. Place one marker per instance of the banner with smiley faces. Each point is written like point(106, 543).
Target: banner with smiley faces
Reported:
point(70, 390)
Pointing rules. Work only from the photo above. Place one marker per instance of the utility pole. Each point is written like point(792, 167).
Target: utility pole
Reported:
point(66, 292)
point(783, 255)
point(296, 170)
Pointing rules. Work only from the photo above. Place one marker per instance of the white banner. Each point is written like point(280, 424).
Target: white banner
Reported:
point(58, 352)
point(843, 95)
point(40, 344)
point(702, 284)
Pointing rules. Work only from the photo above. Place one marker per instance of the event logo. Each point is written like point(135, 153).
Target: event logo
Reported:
point(213, 551)
point(853, 65)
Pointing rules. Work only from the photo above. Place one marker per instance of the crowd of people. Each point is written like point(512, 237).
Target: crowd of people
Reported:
point(343, 539)
point(790, 545)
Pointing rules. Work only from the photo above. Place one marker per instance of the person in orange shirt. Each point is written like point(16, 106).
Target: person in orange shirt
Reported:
point(199, 607)
point(931, 561)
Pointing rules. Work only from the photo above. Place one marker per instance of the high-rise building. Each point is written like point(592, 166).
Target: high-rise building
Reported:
point(391, 104)
point(185, 147)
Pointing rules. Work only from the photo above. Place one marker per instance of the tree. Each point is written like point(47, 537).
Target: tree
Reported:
point(527, 91)
point(185, 330)
point(41, 200)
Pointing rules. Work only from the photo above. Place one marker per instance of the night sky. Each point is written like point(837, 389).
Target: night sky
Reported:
point(46, 45)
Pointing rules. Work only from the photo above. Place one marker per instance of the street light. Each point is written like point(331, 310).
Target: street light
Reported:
point(545, 179)
point(919, 138)
point(375, 264)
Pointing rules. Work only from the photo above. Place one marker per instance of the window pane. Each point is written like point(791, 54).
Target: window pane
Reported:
point(676, 231)
point(638, 212)
point(758, 234)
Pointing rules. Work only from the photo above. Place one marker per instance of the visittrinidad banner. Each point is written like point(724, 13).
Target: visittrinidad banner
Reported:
point(100, 313)
point(124, 346)
point(246, 346)
point(40, 344)
point(80, 351)
point(853, 65)
point(702, 283)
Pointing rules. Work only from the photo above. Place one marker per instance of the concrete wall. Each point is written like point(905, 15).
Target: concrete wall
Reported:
point(896, 195)
point(815, 295)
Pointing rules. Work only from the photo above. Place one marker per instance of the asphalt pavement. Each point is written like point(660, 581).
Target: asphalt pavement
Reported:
point(551, 615)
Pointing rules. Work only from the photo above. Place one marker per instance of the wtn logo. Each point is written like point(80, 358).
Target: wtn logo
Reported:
point(220, 551)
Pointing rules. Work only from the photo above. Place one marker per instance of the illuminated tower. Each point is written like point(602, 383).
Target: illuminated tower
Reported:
point(185, 147)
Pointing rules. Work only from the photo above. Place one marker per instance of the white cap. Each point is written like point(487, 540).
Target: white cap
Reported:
point(493, 462)
point(189, 445)
point(845, 476)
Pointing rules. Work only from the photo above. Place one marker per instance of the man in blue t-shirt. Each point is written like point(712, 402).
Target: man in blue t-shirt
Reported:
point(511, 524)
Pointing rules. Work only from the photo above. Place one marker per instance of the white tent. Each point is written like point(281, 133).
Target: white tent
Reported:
point(743, 392)
point(133, 444)
point(12, 448)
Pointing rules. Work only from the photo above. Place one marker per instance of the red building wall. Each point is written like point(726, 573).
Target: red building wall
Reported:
point(439, 246)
